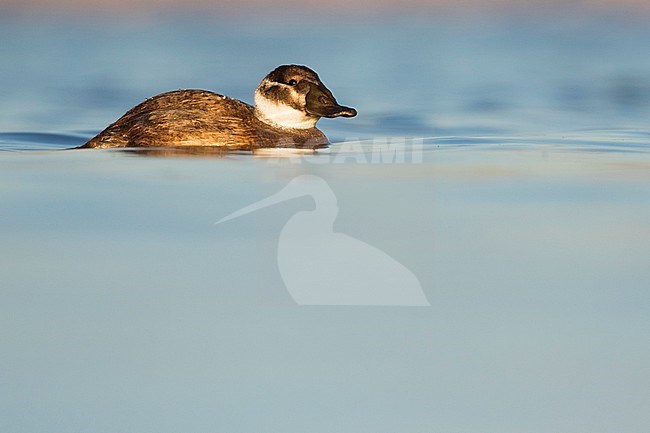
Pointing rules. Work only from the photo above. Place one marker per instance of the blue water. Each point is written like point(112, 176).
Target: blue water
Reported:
point(517, 191)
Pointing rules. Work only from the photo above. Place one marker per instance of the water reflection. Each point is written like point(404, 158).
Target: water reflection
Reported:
point(176, 152)
point(217, 152)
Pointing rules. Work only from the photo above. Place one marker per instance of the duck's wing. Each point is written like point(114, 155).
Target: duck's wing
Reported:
point(179, 118)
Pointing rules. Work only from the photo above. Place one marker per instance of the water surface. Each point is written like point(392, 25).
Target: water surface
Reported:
point(520, 199)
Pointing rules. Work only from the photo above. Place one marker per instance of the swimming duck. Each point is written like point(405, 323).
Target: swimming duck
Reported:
point(288, 103)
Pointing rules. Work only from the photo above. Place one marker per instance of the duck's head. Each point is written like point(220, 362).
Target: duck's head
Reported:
point(293, 96)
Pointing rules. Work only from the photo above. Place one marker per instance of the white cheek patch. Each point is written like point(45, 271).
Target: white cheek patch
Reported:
point(282, 115)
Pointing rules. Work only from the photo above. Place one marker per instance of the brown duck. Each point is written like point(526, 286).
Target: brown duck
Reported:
point(288, 103)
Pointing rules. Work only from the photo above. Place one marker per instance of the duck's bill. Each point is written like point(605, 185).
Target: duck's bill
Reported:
point(336, 111)
point(321, 103)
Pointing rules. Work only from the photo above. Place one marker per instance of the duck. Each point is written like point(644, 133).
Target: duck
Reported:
point(288, 103)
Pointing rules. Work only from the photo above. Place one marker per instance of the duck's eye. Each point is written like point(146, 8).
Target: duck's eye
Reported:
point(292, 82)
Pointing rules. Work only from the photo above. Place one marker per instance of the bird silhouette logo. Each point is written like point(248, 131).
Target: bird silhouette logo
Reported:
point(322, 267)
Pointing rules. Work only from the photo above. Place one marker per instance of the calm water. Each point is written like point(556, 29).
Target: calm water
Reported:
point(520, 201)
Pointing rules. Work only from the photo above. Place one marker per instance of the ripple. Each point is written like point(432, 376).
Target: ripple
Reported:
point(594, 140)
point(15, 141)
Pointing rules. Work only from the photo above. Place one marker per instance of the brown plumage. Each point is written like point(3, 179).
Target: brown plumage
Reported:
point(289, 100)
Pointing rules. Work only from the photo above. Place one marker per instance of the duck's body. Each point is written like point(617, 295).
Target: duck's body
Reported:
point(289, 102)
